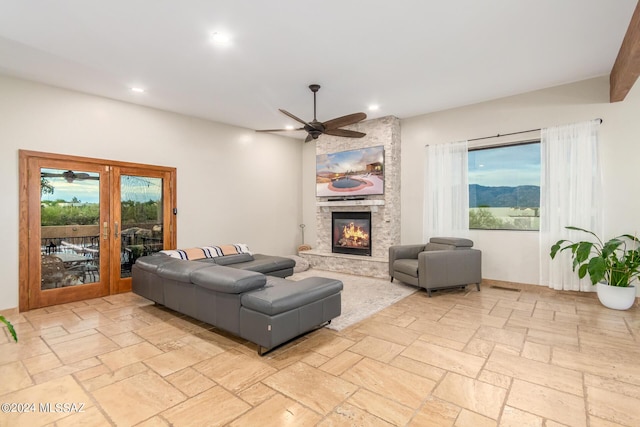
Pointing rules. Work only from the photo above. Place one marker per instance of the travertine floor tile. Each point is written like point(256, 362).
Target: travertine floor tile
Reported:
point(612, 385)
point(402, 386)
point(64, 370)
point(277, 411)
point(214, 407)
point(349, 415)
point(613, 406)
point(445, 358)
point(89, 417)
point(418, 368)
point(14, 377)
point(608, 368)
point(536, 372)
point(477, 396)
point(23, 349)
point(256, 394)
point(41, 363)
point(316, 389)
point(341, 363)
point(235, 371)
point(535, 351)
point(190, 382)
point(513, 417)
point(436, 413)
point(137, 398)
point(378, 349)
point(449, 331)
point(471, 419)
point(59, 390)
point(500, 336)
point(117, 359)
point(95, 382)
point(173, 361)
point(548, 403)
point(83, 348)
point(389, 332)
point(382, 407)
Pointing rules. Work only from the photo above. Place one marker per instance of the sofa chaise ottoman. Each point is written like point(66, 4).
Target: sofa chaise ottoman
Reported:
point(265, 310)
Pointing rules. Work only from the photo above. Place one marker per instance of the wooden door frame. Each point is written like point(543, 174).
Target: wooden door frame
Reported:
point(24, 212)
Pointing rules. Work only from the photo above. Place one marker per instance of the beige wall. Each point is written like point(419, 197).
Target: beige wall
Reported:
point(233, 185)
point(513, 255)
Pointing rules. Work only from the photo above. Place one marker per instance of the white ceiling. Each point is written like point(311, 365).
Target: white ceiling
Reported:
point(411, 57)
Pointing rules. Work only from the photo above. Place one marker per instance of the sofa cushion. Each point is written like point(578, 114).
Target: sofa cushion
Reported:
point(179, 270)
point(151, 263)
point(280, 295)
point(227, 280)
point(406, 266)
point(266, 263)
point(233, 259)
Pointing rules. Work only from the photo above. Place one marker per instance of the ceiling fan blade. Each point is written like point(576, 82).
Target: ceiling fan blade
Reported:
point(50, 175)
point(344, 132)
point(344, 121)
point(278, 130)
point(308, 138)
point(298, 119)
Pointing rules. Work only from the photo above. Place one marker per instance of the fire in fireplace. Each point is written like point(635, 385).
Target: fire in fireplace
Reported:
point(351, 233)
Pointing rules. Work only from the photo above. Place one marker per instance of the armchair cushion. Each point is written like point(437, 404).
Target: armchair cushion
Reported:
point(406, 266)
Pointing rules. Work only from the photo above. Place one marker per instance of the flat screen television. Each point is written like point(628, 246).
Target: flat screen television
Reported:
point(351, 173)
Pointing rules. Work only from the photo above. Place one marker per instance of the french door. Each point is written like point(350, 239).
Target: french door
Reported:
point(84, 222)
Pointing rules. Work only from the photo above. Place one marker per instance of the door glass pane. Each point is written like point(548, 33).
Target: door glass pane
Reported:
point(69, 227)
point(141, 217)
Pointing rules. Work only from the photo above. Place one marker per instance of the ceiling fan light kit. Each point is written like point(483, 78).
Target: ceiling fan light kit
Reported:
point(332, 127)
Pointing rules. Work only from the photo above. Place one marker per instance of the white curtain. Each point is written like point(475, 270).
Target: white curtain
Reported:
point(570, 194)
point(446, 201)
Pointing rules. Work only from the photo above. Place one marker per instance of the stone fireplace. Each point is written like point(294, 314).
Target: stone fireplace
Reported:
point(351, 233)
point(384, 210)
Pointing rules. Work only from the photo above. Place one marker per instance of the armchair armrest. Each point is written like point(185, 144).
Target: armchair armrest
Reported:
point(449, 268)
point(403, 252)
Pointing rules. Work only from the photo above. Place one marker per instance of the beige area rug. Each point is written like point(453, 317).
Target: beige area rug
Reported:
point(361, 296)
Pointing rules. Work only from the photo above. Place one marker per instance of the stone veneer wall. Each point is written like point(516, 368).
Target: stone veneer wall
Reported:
point(385, 219)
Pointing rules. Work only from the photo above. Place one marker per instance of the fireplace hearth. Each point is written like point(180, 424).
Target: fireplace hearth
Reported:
point(351, 233)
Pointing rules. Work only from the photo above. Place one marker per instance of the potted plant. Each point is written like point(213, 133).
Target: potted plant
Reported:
point(10, 327)
point(612, 266)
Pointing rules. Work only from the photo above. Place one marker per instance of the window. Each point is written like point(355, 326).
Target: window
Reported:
point(504, 187)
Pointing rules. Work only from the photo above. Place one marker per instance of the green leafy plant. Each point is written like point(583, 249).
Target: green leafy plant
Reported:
point(616, 261)
point(10, 327)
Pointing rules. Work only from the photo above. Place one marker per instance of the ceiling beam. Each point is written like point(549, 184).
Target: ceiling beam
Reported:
point(626, 69)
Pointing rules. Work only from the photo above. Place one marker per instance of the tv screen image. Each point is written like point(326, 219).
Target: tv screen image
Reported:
point(350, 173)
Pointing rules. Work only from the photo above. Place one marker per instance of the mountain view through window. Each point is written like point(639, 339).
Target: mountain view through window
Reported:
point(504, 187)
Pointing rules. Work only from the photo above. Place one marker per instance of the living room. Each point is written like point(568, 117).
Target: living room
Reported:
point(272, 190)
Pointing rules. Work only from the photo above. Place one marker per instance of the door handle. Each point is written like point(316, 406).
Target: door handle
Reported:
point(105, 230)
point(115, 232)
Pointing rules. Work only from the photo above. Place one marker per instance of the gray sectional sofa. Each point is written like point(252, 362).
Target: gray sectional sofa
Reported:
point(247, 297)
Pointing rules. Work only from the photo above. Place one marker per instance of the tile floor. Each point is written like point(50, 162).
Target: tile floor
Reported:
point(524, 357)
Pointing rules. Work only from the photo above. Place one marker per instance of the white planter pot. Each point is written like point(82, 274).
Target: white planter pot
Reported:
point(616, 297)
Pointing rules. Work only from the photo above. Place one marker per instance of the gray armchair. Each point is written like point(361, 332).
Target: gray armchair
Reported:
point(444, 262)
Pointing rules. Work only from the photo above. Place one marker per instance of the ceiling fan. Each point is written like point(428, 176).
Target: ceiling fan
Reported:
point(315, 128)
point(69, 175)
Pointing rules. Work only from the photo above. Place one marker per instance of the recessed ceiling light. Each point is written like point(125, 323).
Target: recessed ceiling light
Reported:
point(137, 89)
point(289, 127)
point(220, 38)
point(374, 107)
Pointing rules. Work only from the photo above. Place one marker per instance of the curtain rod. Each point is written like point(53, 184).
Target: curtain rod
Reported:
point(509, 134)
